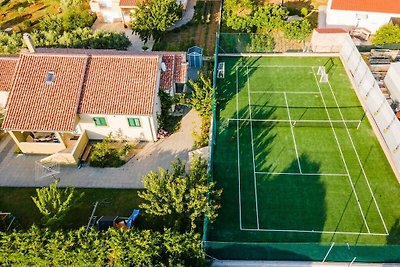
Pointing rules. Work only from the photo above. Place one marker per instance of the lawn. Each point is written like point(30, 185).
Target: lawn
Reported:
point(23, 15)
point(112, 202)
point(200, 31)
point(293, 186)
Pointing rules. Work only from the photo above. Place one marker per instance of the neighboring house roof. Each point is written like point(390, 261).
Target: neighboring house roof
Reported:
point(129, 3)
point(8, 65)
point(120, 85)
point(381, 6)
point(330, 30)
point(87, 82)
point(176, 71)
point(35, 105)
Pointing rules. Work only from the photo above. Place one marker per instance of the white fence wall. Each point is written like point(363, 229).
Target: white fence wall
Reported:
point(376, 104)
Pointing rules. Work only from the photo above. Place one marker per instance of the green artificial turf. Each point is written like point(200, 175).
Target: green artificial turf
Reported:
point(314, 192)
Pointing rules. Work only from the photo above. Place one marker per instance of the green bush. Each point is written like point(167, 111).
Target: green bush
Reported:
point(81, 247)
point(10, 43)
point(103, 155)
point(261, 43)
point(202, 138)
point(387, 34)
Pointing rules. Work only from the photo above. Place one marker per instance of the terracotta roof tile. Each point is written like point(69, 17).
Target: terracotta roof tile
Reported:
point(176, 70)
point(35, 105)
point(8, 65)
point(381, 6)
point(330, 30)
point(108, 90)
point(88, 82)
point(129, 3)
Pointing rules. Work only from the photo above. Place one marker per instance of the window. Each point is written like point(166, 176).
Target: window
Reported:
point(100, 121)
point(134, 122)
point(50, 77)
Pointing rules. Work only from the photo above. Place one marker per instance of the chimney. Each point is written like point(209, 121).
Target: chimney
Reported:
point(28, 41)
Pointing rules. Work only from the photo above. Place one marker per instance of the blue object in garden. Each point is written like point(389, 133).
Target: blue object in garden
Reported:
point(195, 57)
point(132, 218)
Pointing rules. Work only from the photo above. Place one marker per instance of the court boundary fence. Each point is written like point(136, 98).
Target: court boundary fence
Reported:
point(374, 101)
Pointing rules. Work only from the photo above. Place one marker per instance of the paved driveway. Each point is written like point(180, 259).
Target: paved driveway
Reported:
point(19, 170)
point(136, 45)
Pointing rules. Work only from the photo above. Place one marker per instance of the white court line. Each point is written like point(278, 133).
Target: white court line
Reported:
point(303, 174)
point(285, 92)
point(358, 159)
point(341, 153)
point(291, 129)
point(276, 66)
point(295, 121)
point(252, 149)
point(315, 232)
point(238, 147)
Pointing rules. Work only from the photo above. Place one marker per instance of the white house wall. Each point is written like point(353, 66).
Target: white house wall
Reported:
point(349, 18)
point(3, 98)
point(118, 125)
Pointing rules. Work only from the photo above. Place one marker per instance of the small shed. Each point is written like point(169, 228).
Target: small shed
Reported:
point(195, 57)
point(392, 81)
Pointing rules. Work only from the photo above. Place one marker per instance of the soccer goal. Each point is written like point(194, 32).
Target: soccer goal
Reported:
point(44, 170)
point(323, 74)
point(221, 70)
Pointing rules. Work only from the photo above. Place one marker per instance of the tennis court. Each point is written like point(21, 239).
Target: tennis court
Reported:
point(297, 158)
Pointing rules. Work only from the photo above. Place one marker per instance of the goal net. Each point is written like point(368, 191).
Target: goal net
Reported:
point(44, 170)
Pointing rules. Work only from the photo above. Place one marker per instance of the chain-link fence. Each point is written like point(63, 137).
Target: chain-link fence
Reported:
point(259, 43)
point(302, 252)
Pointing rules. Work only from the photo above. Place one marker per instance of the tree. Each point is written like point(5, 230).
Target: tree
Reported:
point(297, 29)
point(41, 247)
point(152, 18)
point(238, 14)
point(54, 203)
point(261, 43)
point(387, 34)
point(179, 197)
point(10, 43)
point(269, 17)
point(201, 97)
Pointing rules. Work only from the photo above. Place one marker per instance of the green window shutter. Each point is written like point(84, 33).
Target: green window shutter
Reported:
point(134, 122)
point(100, 121)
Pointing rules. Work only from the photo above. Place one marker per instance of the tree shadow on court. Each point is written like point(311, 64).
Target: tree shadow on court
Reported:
point(285, 202)
point(394, 234)
point(293, 202)
point(227, 87)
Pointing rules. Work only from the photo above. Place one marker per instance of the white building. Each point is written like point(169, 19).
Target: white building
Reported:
point(368, 14)
point(119, 10)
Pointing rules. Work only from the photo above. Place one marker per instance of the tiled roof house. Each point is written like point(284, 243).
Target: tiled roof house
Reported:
point(8, 66)
point(368, 14)
point(60, 96)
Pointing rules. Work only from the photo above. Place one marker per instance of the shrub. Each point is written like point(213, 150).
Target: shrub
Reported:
point(387, 34)
point(304, 11)
point(103, 155)
point(202, 138)
point(166, 103)
point(10, 43)
point(54, 203)
point(261, 43)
